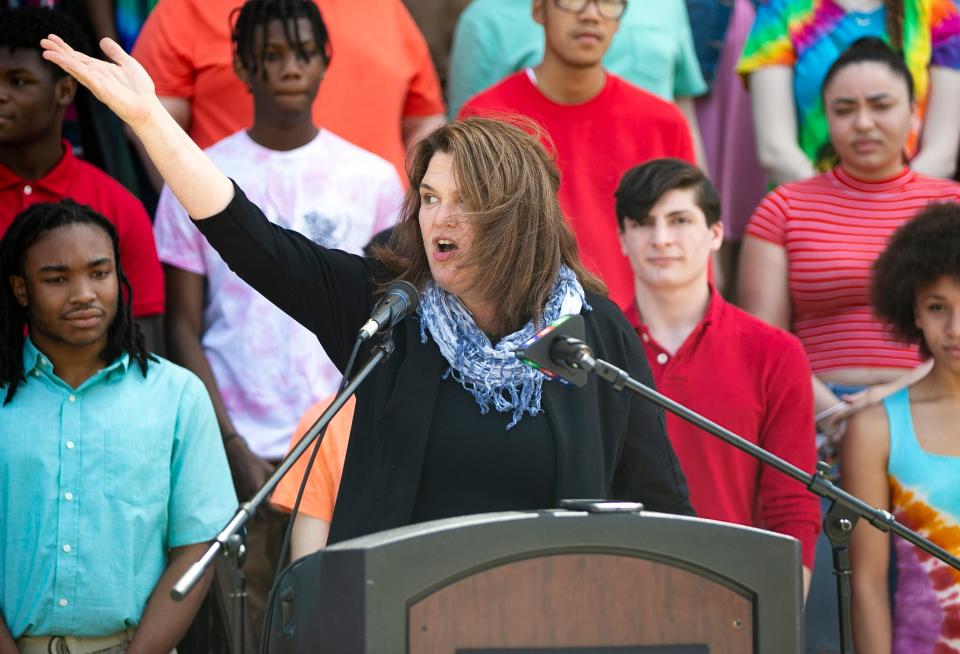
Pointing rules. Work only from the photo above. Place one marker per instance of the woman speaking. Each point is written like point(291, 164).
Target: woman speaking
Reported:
point(452, 423)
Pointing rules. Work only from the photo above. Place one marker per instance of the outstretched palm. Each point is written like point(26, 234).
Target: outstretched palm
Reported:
point(124, 85)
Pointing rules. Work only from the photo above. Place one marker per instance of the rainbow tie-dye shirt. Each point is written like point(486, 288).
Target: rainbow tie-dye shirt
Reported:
point(925, 497)
point(809, 35)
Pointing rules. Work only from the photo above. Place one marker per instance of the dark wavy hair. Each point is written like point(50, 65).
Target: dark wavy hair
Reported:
point(871, 49)
point(123, 334)
point(23, 27)
point(642, 186)
point(918, 254)
point(508, 186)
point(257, 14)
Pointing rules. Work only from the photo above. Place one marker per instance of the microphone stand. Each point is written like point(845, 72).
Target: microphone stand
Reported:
point(228, 540)
point(845, 509)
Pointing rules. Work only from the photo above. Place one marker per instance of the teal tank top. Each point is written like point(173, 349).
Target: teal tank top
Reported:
point(924, 496)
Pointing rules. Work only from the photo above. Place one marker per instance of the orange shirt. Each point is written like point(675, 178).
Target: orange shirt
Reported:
point(381, 71)
point(321, 492)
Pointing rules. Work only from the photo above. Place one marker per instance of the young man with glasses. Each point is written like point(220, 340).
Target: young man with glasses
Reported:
point(597, 125)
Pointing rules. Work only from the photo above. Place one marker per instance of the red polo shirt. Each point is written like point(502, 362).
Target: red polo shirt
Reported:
point(754, 380)
point(87, 184)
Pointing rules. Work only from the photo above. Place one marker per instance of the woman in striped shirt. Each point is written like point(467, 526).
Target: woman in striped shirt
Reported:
point(807, 253)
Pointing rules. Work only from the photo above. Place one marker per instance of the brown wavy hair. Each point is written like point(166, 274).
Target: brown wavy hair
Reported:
point(508, 185)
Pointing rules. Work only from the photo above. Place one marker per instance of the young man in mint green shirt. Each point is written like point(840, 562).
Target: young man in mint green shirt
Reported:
point(112, 472)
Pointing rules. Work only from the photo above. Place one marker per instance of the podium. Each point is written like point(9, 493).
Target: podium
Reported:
point(547, 582)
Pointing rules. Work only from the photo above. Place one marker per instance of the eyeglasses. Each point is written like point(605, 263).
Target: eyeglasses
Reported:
point(606, 8)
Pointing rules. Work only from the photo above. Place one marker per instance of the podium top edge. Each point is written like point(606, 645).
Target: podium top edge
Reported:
point(559, 518)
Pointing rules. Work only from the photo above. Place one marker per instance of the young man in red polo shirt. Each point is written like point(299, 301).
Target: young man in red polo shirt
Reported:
point(720, 361)
point(37, 164)
point(597, 124)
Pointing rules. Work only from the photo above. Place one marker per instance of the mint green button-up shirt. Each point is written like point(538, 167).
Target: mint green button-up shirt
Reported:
point(97, 483)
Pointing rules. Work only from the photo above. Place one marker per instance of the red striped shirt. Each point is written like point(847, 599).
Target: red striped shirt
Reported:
point(833, 227)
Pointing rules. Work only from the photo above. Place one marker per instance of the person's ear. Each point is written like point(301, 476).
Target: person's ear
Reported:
point(65, 90)
point(716, 236)
point(915, 120)
point(19, 286)
point(538, 11)
point(623, 243)
point(241, 72)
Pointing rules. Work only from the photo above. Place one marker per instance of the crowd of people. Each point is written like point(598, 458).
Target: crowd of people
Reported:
point(751, 203)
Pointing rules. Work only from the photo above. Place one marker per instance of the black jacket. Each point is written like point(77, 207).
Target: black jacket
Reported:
point(609, 444)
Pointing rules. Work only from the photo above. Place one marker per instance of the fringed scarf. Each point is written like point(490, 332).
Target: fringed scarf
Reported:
point(493, 374)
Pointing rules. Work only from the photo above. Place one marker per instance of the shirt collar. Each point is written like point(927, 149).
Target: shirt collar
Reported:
point(57, 180)
point(714, 306)
point(894, 183)
point(34, 359)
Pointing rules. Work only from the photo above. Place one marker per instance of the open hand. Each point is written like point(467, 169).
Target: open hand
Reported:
point(123, 85)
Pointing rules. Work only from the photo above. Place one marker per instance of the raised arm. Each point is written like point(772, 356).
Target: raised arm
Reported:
point(123, 85)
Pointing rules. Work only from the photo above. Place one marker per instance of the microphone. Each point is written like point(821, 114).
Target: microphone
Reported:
point(558, 351)
point(400, 300)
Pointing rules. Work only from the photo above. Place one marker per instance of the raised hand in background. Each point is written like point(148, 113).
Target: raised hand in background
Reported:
point(125, 87)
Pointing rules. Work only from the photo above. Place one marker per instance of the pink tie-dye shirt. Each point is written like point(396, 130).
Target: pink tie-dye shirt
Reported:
point(269, 368)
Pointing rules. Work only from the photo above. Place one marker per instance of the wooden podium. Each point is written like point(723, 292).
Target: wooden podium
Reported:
point(547, 582)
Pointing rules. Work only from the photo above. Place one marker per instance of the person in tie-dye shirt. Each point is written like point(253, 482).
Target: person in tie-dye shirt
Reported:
point(794, 42)
point(904, 456)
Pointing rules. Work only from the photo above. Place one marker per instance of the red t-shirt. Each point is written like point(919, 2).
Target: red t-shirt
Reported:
point(595, 143)
point(87, 184)
point(381, 71)
point(753, 379)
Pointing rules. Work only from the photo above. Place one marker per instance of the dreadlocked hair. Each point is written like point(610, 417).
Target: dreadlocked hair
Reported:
point(257, 14)
point(23, 27)
point(894, 11)
point(123, 335)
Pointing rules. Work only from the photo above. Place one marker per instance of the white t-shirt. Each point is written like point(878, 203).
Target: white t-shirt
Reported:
point(269, 368)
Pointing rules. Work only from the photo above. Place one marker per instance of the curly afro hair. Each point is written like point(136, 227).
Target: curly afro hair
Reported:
point(919, 253)
point(23, 27)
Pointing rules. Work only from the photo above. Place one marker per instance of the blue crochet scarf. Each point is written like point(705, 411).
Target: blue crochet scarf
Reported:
point(493, 374)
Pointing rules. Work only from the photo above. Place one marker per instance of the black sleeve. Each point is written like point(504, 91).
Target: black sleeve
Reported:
point(327, 291)
point(648, 469)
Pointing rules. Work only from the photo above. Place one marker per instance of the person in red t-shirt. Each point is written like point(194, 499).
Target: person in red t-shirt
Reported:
point(37, 165)
point(718, 360)
point(597, 124)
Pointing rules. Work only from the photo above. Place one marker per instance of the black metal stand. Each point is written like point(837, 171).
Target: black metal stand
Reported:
point(845, 509)
point(228, 538)
point(236, 550)
point(838, 525)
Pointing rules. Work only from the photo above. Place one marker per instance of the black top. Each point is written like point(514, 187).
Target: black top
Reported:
point(607, 444)
point(478, 465)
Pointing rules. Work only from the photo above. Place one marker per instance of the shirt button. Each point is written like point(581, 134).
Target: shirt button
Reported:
point(646, 338)
point(68, 496)
point(69, 445)
point(63, 601)
point(27, 189)
point(662, 358)
point(72, 398)
point(67, 548)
